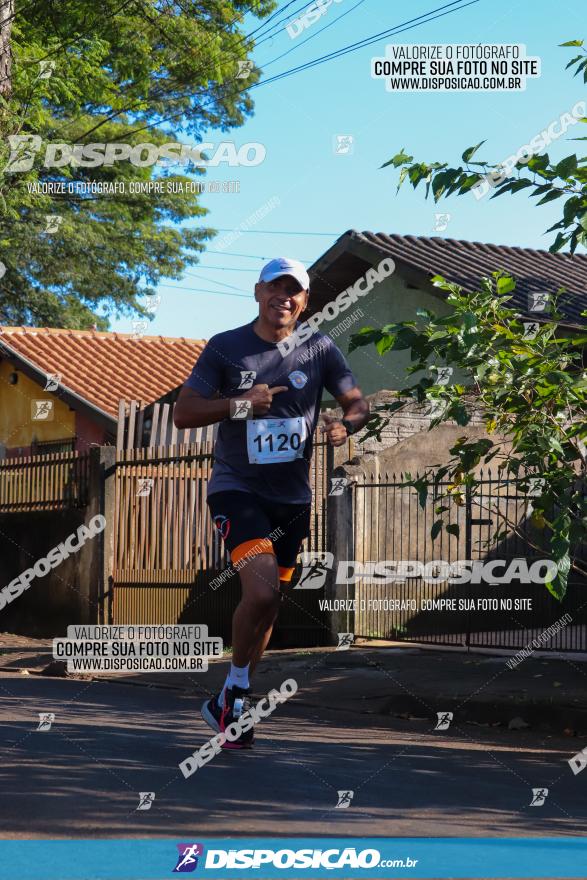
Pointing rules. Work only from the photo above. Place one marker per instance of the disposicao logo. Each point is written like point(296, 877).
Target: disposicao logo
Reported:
point(187, 860)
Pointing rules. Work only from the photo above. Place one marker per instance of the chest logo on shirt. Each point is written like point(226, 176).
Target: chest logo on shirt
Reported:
point(247, 379)
point(298, 379)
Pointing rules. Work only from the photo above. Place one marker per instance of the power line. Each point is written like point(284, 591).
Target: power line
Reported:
point(220, 283)
point(202, 290)
point(229, 268)
point(247, 256)
point(243, 39)
point(311, 37)
point(269, 36)
point(410, 24)
point(274, 232)
point(367, 41)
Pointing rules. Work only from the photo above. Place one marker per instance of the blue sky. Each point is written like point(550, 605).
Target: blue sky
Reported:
point(297, 119)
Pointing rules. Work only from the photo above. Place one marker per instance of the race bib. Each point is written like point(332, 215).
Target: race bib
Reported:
point(271, 441)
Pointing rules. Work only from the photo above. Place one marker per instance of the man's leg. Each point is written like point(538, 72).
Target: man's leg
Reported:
point(265, 635)
point(285, 576)
point(256, 612)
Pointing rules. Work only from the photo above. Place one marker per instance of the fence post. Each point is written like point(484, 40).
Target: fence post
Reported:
point(96, 554)
point(340, 542)
point(468, 552)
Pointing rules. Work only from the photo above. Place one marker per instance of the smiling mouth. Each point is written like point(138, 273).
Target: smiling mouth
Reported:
point(280, 308)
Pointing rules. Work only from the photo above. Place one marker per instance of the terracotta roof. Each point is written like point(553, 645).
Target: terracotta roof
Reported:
point(101, 367)
point(466, 262)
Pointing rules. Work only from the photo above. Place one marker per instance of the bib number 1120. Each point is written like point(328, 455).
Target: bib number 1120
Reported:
point(278, 442)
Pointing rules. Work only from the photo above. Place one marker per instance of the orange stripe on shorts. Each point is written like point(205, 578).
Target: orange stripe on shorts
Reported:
point(286, 574)
point(252, 548)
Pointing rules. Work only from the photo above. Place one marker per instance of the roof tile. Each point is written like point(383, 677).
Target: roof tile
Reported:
point(466, 262)
point(105, 367)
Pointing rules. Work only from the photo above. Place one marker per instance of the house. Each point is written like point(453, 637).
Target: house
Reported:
point(60, 389)
point(417, 259)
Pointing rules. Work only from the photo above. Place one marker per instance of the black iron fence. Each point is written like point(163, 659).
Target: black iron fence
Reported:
point(53, 481)
point(491, 525)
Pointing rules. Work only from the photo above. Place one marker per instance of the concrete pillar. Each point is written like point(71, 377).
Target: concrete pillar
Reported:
point(96, 556)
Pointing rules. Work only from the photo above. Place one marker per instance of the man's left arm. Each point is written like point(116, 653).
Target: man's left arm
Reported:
point(355, 414)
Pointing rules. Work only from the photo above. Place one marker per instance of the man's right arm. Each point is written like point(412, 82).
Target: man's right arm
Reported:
point(194, 411)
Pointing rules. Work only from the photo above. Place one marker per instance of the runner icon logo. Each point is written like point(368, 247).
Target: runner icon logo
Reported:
point(187, 860)
point(316, 567)
point(146, 799)
point(247, 379)
point(241, 409)
point(338, 485)
point(444, 719)
point(539, 795)
point(46, 719)
point(345, 640)
point(344, 799)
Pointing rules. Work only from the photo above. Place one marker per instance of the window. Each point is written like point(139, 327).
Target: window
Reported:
point(44, 447)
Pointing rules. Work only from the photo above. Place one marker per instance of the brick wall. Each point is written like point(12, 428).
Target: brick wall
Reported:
point(405, 423)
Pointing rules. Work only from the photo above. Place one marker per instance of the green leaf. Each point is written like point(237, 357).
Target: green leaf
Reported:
point(384, 344)
point(559, 242)
point(454, 529)
point(550, 197)
point(400, 158)
point(436, 529)
point(557, 585)
point(422, 488)
point(505, 284)
point(566, 167)
point(572, 43)
point(470, 152)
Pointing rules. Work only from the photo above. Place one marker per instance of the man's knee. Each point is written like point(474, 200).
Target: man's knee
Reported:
point(265, 601)
point(260, 583)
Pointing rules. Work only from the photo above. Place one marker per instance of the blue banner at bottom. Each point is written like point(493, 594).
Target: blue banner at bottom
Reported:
point(304, 858)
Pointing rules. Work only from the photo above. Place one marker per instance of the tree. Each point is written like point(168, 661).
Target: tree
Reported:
point(122, 72)
point(534, 173)
point(6, 16)
point(529, 382)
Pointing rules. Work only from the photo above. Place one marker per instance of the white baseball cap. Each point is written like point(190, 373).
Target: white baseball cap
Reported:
point(284, 266)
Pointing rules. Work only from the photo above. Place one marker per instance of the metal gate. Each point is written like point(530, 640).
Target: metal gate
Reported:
point(494, 524)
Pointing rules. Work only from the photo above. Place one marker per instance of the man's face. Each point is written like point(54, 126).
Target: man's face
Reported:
point(281, 301)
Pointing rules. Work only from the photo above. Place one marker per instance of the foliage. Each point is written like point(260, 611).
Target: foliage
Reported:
point(122, 71)
point(538, 177)
point(527, 380)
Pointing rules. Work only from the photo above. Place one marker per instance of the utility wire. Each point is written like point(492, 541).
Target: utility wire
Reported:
point(410, 24)
point(248, 256)
point(202, 290)
point(311, 37)
point(275, 232)
point(367, 41)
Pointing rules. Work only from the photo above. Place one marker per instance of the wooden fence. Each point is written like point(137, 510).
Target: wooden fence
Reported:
point(166, 553)
point(152, 428)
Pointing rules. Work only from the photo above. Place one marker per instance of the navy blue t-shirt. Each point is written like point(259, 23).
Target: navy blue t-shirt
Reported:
point(243, 447)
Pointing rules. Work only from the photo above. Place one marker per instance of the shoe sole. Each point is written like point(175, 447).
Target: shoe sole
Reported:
point(211, 722)
point(209, 718)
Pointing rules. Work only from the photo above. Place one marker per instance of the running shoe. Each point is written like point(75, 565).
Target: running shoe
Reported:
point(236, 703)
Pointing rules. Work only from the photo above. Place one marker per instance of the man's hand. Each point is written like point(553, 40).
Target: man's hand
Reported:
point(334, 429)
point(262, 397)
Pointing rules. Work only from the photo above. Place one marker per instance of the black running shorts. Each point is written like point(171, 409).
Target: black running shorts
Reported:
point(250, 525)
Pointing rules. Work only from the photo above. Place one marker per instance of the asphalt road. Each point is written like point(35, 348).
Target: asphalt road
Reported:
point(110, 741)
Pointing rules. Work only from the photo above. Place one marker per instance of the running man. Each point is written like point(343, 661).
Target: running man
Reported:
point(259, 494)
